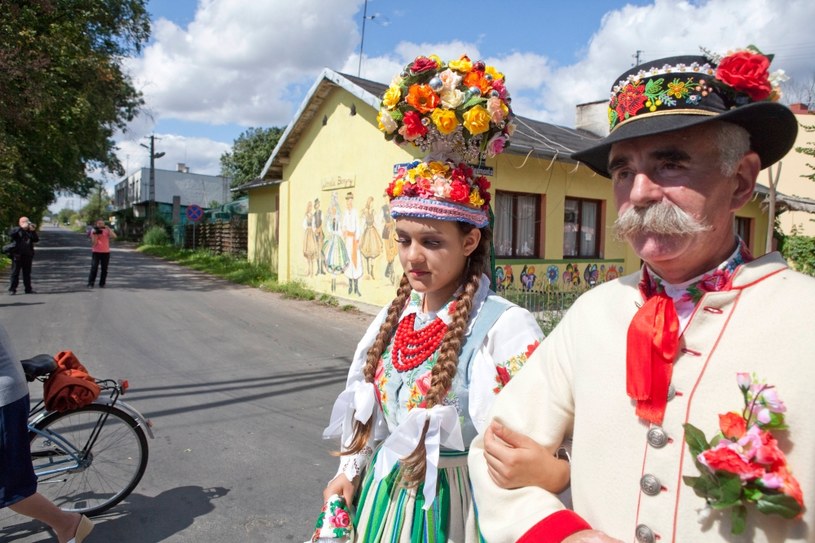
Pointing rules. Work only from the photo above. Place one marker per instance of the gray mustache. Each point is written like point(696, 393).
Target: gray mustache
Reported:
point(660, 218)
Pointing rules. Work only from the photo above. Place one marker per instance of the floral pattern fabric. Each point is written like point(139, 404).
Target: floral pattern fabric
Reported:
point(505, 349)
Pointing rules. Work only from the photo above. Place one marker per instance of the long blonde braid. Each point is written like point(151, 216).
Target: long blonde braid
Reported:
point(362, 431)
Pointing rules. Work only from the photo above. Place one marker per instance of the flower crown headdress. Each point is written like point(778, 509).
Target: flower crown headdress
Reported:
point(455, 112)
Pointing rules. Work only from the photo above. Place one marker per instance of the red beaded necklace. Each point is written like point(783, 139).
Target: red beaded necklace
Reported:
point(411, 348)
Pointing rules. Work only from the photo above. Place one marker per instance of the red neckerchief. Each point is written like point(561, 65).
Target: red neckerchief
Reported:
point(653, 336)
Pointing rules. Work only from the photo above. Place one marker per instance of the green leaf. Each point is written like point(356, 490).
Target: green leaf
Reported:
point(779, 504)
point(731, 489)
point(477, 99)
point(702, 486)
point(695, 439)
point(738, 519)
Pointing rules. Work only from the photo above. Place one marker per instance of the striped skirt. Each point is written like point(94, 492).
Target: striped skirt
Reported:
point(387, 512)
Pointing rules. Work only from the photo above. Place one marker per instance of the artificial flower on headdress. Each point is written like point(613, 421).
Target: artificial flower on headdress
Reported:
point(460, 107)
point(738, 78)
point(441, 180)
point(743, 465)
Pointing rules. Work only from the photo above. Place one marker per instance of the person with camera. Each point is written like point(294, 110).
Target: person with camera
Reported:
point(24, 237)
point(100, 251)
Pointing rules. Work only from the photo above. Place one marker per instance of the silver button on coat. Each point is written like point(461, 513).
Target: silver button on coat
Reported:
point(645, 534)
point(657, 437)
point(650, 485)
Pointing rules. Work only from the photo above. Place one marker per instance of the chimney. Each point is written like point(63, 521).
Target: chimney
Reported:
point(183, 168)
point(800, 109)
point(593, 117)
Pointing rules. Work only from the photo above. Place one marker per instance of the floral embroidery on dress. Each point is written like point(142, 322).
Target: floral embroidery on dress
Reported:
point(507, 370)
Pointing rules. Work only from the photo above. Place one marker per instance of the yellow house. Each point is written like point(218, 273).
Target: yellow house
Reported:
point(321, 194)
point(798, 208)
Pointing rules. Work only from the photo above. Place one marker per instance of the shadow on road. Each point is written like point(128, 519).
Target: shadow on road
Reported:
point(63, 258)
point(139, 519)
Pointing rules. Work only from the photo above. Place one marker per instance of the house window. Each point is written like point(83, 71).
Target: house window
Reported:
point(517, 216)
point(744, 229)
point(581, 228)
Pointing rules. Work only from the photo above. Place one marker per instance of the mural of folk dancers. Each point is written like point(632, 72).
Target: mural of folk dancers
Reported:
point(335, 255)
point(311, 248)
point(389, 239)
point(371, 243)
point(319, 235)
point(351, 235)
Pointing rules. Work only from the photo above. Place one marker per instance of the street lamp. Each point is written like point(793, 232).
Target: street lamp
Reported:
point(151, 205)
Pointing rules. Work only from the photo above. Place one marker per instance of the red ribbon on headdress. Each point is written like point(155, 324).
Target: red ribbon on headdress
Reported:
point(653, 340)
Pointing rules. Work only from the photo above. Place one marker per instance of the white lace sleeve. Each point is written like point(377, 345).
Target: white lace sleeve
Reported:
point(352, 465)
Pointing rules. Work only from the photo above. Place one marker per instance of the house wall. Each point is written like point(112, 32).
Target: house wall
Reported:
point(793, 166)
point(263, 218)
point(349, 156)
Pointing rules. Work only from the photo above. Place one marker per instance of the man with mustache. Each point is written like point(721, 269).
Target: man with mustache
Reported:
point(704, 340)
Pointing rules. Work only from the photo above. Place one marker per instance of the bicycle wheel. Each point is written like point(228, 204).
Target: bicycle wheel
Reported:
point(108, 469)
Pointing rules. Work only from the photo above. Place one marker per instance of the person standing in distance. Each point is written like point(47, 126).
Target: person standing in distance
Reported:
point(100, 252)
point(24, 236)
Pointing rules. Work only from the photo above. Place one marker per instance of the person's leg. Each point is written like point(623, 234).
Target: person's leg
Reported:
point(104, 259)
point(26, 263)
point(15, 274)
point(94, 269)
point(65, 525)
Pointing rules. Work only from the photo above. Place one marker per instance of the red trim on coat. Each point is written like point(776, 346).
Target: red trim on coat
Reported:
point(555, 528)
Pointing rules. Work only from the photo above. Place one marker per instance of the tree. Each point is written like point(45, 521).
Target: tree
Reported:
point(63, 94)
point(97, 206)
point(249, 154)
point(809, 151)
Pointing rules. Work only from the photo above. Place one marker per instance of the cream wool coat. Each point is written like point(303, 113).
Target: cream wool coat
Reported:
point(574, 384)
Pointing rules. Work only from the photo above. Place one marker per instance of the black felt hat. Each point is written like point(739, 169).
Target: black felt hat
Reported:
point(679, 92)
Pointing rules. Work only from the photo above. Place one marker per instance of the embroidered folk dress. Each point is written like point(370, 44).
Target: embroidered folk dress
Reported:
point(386, 511)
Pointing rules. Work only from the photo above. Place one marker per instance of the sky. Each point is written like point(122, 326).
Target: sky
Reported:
point(214, 68)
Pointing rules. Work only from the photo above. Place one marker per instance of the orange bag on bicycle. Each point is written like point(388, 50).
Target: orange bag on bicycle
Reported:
point(69, 386)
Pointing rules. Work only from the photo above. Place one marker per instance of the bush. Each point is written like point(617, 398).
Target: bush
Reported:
point(156, 235)
point(800, 253)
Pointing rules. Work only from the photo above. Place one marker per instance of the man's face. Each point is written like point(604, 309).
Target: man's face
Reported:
point(24, 222)
point(681, 168)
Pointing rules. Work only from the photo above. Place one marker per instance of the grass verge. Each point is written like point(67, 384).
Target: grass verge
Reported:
point(240, 271)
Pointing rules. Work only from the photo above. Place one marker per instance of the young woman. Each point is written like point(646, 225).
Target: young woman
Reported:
point(425, 373)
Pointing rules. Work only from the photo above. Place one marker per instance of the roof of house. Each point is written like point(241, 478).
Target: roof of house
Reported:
point(531, 137)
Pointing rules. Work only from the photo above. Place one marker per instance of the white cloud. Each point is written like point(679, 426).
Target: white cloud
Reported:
point(236, 61)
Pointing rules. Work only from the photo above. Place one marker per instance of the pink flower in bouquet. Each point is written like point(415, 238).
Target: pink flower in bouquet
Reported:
point(341, 519)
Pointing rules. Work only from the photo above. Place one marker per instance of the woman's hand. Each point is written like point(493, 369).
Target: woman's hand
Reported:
point(515, 460)
point(342, 486)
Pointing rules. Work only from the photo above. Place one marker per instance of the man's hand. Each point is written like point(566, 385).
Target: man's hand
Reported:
point(515, 460)
point(590, 536)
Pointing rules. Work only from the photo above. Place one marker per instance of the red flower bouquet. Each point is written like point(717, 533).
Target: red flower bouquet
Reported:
point(743, 464)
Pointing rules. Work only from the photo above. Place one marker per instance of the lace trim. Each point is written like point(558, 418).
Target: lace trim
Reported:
point(352, 465)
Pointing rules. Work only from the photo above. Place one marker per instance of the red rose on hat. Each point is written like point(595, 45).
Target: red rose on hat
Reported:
point(423, 64)
point(459, 192)
point(746, 72)
point(413, 125)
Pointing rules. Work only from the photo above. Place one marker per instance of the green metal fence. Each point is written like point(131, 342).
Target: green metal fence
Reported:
point(548, 305)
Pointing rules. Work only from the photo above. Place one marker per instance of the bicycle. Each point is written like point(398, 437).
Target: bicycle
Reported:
point(88, 459)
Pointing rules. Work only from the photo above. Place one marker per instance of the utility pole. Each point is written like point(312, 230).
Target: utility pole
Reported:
point(151, 186)
point(362, 40)
point(636, 57)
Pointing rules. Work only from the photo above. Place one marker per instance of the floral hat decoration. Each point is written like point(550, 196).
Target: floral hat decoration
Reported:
point(457, 113)
point(679, 92)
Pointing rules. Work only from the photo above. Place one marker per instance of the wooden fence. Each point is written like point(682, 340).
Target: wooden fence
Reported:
point(222, 237)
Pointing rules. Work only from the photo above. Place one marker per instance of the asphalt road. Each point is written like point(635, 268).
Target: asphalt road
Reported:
point(238, 383)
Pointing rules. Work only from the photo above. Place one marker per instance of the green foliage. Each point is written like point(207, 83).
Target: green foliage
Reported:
point(249, 154)
point(809, 151)
point(97, 206)
point(63, 94)
point(800, 253)
point(157, 235)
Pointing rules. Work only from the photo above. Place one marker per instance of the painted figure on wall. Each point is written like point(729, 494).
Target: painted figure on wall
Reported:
point(528, 277)
point(552, 273)
point(389, 239)
point(310, 246)
point(571, 275)
point(319, 235)
point(591, 274)
point(351, 235)
point(334, 253)
point(371, 243)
